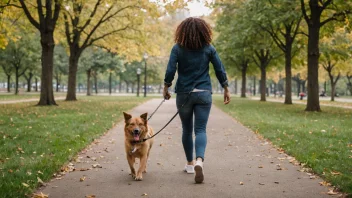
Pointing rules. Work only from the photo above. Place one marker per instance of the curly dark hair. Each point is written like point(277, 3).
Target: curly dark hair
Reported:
point(193, 33)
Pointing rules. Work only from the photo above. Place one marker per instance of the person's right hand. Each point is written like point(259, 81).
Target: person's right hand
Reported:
point(166, 93)
point(227, 96)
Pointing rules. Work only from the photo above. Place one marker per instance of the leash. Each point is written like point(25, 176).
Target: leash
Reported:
point(173, 117)
point(151, 115)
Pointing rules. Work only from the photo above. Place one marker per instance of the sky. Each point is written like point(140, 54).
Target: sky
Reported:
point(198, 8)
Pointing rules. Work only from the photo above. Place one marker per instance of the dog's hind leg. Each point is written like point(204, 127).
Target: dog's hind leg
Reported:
point(131, 161)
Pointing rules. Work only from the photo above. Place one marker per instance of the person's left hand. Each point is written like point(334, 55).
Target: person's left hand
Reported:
point(166, 93)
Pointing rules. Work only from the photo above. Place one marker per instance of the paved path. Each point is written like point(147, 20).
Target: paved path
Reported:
point(234, 154)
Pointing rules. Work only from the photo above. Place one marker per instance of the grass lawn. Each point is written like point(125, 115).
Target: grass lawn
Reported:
point(4, 97)
point(26, 95)
point(323, 140)
point(38, 141)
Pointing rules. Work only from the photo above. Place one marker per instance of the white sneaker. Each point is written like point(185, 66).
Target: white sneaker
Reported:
point(189, 169)
point(199, 177)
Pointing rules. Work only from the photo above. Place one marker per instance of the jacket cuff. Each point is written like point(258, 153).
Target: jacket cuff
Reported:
point(225, 84)
point(167, 84)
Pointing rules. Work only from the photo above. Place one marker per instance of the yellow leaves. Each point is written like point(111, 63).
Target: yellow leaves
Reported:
point(82, 179)
point(25, 185)
point(40, 195)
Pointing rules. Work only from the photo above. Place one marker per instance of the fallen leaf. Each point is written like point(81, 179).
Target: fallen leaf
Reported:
point(335, 173)
point(40, 195)
point(312, 177)
point(241, 183)
point(260, 166)
point(158, 163)
point(144, 194)
point(24, 184)
point(82, 179)
point(84, 169)
point(276, 182)
point(324, 183)
point(40, 181)
point(96, 166)
point(331, 192)
point(261, 184)
point(90, 196)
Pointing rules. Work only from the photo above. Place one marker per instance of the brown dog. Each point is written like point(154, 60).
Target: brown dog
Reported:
point(137, 129)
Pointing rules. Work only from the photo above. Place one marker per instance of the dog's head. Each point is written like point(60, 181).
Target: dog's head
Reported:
point(136, 128)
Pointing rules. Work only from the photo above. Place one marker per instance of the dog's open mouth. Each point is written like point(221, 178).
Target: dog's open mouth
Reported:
point(136, 137)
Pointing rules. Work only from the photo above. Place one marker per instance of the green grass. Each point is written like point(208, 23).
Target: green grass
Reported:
point(323, 141)
point(4, 97)
point(37, 141)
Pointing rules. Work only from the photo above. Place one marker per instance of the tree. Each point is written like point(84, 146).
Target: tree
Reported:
point(8, 70)
point(84, 23)
point(21, 56)
point(281, 19)
point(48, 15)
point(60, 65)
point(335, 52)
point(318, 14)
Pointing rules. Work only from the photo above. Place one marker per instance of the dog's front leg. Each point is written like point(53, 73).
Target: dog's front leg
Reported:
point(131, 161)
point(142, 166)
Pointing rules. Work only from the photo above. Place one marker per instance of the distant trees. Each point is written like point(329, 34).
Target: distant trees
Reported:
point(249, 22)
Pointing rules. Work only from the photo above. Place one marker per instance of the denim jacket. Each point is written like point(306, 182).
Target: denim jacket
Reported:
point(193, 68)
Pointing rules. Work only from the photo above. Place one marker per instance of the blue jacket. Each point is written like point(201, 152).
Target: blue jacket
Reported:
point(193, 68)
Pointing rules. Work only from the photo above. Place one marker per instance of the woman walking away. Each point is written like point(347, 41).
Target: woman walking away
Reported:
point(190, 56)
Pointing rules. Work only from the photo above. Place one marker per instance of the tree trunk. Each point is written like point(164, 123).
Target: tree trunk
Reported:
point(16, 81)
point(349, 84)
point(243, 88)
point(333, 87)
point(9, 83)
point(88, 82)
point(304, 86)
point(46, 83)
point(110, 79)
point(236, 86)
point(36, 84)
point(57, 83)
point(288, 72)
point(127, 87)
point(262, 83)
point(72, 75)
point(298, 87)
point(120, 84)
point(95, 82)
point(29, 80)
point(313, 63)
point(255, 85)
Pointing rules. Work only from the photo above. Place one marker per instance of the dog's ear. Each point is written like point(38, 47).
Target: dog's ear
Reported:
point(127, 116)
point(144, 117)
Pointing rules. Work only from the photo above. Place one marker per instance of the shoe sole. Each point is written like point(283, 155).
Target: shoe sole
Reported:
point(199, 178)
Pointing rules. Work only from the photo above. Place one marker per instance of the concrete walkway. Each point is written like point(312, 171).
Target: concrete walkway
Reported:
point(234, 154)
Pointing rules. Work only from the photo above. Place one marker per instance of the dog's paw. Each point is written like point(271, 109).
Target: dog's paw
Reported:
point(139, 177)
point(145, 171)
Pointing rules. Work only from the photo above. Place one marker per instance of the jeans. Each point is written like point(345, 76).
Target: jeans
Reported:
point(199, 104)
